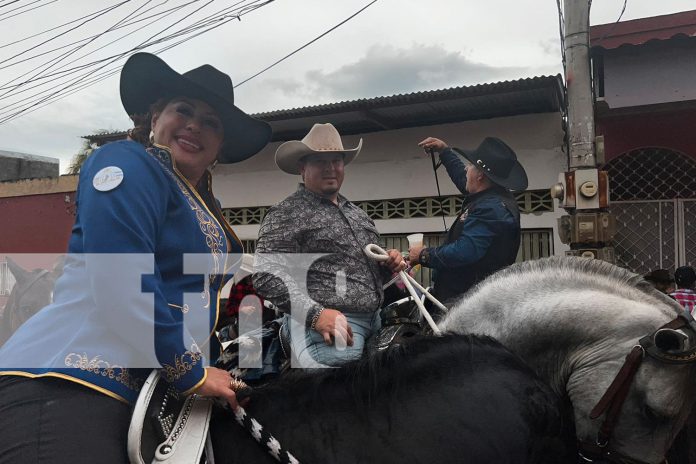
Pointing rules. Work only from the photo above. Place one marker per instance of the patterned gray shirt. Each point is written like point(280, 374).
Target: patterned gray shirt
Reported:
point(305, 222)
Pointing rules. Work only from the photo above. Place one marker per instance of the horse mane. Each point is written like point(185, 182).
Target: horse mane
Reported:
point(576, 273)
point(379, 373)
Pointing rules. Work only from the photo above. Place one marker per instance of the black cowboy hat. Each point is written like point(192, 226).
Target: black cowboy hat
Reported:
point(498, 162)
point(145, 79)
point(661, 276)
point(685, 276)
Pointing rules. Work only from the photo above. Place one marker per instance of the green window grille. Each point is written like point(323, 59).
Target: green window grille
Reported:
point(530, 201)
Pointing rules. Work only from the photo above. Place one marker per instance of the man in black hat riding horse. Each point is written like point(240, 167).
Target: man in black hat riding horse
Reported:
point(485, 236)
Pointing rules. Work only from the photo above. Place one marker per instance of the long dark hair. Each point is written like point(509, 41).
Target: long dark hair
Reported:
point(143, 122)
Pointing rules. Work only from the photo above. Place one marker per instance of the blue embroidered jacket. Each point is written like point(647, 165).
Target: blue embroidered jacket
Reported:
point(128, 285)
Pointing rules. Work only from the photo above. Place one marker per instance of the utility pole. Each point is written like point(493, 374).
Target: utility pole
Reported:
point(583, 191)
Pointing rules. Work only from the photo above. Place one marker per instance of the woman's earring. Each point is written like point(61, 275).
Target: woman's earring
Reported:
point(152, 138)
point(212, 166)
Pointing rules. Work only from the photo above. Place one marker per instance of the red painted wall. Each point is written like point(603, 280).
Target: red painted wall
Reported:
point(674, 130)
point(35, 229)
point(36, 223)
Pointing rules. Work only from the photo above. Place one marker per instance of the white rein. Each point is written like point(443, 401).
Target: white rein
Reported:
point(379, 254)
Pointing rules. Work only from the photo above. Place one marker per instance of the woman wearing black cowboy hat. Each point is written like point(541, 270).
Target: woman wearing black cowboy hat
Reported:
point(148, 251)
point(486, 235)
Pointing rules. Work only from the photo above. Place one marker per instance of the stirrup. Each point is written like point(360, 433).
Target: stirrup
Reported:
point(167, 428)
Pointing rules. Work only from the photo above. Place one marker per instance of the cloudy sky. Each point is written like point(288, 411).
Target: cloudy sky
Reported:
point(393, 46)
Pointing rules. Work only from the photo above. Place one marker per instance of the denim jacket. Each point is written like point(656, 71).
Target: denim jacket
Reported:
point(484, 238)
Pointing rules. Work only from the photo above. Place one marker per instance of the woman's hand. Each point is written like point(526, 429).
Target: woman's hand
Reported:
point(332, 323)
point(218, 384)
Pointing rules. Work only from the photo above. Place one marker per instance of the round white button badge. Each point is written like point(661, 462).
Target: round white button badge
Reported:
point(108, 178)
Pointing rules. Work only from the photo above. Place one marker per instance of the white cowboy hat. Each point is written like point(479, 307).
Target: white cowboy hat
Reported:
point(321, 139)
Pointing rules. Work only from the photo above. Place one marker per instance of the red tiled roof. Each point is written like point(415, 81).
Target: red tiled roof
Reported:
point(640, 31)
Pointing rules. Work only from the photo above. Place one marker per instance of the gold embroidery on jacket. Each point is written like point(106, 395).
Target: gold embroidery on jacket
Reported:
point(98, 366)
point(214, 239)
point(182, 365)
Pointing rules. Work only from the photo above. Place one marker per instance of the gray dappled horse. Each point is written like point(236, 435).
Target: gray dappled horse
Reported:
point(574, 321)
point(32, 291)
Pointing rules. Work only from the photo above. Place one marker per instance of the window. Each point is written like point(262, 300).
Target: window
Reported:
point(530, 201)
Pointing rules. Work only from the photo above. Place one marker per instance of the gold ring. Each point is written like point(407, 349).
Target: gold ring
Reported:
point(236, 384)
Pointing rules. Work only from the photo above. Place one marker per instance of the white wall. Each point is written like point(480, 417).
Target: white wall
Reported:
point(392, 166)
point(649, 75)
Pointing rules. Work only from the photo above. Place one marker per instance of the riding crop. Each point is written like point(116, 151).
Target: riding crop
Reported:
point(379, 254)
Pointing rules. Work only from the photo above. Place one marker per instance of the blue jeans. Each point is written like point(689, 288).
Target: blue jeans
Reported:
point(313, 349)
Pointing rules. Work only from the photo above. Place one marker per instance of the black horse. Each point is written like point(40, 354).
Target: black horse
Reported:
point(453, 399)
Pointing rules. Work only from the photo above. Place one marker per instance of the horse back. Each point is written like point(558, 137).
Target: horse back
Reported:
point(446, 399)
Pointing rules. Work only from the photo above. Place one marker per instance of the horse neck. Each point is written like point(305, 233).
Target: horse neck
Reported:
point(557, 334)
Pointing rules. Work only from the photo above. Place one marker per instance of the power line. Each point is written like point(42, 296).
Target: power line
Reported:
point(19, 7)
point(30, 9)
point(93, 77)
point(58, 59)
point(143, 45)
point(65, 32)
point(171, 11)
point(165, 13)
point(7, 4)
point(127, 24)
point(53, 28)
point(308, 43)
point(67, 72)
point(608, 33)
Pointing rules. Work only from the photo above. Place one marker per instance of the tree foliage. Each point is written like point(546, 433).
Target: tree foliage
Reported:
point(86, 150)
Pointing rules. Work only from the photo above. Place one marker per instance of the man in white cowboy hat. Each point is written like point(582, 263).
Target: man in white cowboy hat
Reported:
point(345, 287)
point(485, 236)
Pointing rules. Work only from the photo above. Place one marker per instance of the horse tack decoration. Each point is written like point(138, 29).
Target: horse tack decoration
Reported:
point(167, 428)
point(668, 346)
point(573, 320)
point(665, 345)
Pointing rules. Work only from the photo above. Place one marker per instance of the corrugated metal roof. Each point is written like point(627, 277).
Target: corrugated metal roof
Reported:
point(484, 101)
point(542, 94)
point(640, 31)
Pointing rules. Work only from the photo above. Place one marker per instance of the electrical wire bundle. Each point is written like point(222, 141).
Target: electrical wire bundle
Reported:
point(66, 58)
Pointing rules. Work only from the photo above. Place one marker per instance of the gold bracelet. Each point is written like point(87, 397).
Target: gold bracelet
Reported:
point(315, 319)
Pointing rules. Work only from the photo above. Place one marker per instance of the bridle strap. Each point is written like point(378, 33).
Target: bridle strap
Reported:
point(616, 394)
point(613, 399)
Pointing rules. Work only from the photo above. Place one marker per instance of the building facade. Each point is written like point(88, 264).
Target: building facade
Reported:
point(646, 111)
point(392, 179)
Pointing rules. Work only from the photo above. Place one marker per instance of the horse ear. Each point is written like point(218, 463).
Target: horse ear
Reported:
point(19, 273)
point(671, 340)
point(58, 267)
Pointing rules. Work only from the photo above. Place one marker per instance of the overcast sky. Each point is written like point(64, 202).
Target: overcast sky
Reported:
point(394, 46)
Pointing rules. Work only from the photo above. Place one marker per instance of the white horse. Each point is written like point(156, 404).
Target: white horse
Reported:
point(574, 321)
